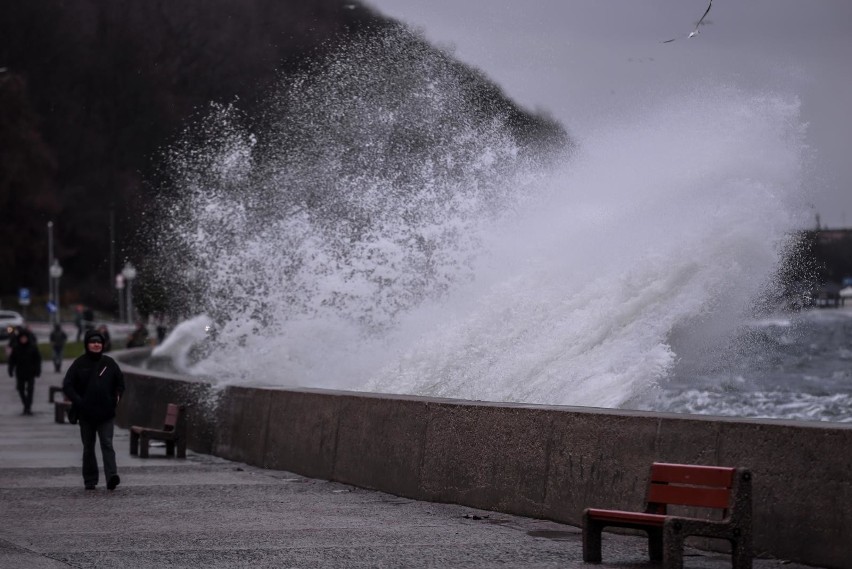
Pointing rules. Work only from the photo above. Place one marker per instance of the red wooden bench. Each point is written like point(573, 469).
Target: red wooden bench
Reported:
point(173, 433)
point(60, 410)
point(712, 488)
point(52, 391)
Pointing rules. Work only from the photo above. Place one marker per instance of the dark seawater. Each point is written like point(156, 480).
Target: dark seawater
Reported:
point(793, 366)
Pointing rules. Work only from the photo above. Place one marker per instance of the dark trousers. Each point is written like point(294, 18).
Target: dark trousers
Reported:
point(103, 431)
point(57, 357)
point(25, 390)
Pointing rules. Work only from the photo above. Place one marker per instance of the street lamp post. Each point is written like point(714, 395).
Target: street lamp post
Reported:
point(119, 287)
point(55, 275)
point(129, 273)
point(49, 261)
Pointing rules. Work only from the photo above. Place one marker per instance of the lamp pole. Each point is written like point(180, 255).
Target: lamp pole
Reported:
point(55, 275)
point(49, 261)
point(119, 287)
point(129, 273)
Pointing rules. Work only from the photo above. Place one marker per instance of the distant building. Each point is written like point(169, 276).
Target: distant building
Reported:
point(827, 236)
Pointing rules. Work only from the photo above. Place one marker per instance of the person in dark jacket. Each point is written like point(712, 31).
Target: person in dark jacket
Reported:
point(58, 337)
point(94, 384)
point(25, 366)
point(139, 337)
point(105, 333)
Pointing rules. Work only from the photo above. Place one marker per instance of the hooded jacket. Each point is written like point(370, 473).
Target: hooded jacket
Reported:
point(93, 383)
point(25, 359)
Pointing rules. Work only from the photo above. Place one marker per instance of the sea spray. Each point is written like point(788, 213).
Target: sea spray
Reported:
point(361, 195)
point(380, 232)
point(176, 350)
point(663, 234)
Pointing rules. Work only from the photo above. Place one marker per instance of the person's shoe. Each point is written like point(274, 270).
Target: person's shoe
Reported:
point(114, 481)
point(90, 486)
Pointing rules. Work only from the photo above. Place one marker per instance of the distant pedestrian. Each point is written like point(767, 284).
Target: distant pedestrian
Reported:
point(13, 339)
point(107, 340)
point(78, 321)
point(139, 337)
point(15, 335)
point(94, 383)
point(88, 319)
point(58, 337)
point(25, 367)
point(162, 329)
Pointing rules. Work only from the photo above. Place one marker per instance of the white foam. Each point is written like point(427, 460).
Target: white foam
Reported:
point(462, 267)
point(186, 335)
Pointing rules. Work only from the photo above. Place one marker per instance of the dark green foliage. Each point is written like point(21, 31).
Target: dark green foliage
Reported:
point(28, 197)
point(95, 89)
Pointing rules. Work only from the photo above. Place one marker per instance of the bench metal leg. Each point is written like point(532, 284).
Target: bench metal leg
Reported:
point(741, 553)
point(170, 448)
point(58, 413)
point(134, 443)
point(591, 540)
point(673, 539)
point(143, 446)
point(181, 447)
point(655, 544)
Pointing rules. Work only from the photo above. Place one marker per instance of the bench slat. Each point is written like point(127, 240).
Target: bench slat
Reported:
point(692, 474)
point(172, 413)
point(689, 496)
point(628, 517)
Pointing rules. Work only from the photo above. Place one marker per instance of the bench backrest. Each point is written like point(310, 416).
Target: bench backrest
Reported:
point(172, 417)
point(690, 485)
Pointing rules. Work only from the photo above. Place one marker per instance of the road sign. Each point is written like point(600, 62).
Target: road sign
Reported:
point(24, 296)
point(51, 307)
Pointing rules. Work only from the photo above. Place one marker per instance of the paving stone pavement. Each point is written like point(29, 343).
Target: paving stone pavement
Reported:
point(208, 512)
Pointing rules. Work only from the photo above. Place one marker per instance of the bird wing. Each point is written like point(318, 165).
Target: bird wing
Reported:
point(695, 31)
point(707, 11)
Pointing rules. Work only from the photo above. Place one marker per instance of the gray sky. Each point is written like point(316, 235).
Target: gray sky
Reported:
point(584, 60)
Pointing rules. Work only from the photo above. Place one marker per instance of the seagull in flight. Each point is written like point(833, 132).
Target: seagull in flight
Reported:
point(694, 32)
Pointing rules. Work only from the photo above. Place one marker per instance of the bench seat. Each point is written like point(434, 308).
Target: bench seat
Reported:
point(639, 518)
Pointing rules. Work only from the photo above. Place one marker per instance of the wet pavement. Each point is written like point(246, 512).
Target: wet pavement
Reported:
point(207, 512)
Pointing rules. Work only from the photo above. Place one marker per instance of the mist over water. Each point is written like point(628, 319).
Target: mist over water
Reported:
point(377, 231)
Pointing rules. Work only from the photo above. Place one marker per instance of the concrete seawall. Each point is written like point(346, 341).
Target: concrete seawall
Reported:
point(532, 460)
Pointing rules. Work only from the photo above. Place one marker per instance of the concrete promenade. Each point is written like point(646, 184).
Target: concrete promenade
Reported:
point(209, 512)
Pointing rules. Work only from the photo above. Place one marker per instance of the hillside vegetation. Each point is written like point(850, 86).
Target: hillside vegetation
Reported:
point(93, 91)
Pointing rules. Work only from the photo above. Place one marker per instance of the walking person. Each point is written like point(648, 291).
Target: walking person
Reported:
point(139, 337)
point(57, 341)
point(107, 340)
point(25, 366)
point(88, 318)
point(162, 329)
point(94, 383)
point(78, 320)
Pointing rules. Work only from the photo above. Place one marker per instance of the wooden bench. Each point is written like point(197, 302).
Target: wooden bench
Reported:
point(173, 433)
point(60, 410)
point(712, 488)
point(53, 390)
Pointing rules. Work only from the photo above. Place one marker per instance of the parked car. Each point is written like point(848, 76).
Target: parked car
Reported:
point(8, 320)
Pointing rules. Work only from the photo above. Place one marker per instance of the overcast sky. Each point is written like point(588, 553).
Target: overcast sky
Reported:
point(583, 61)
